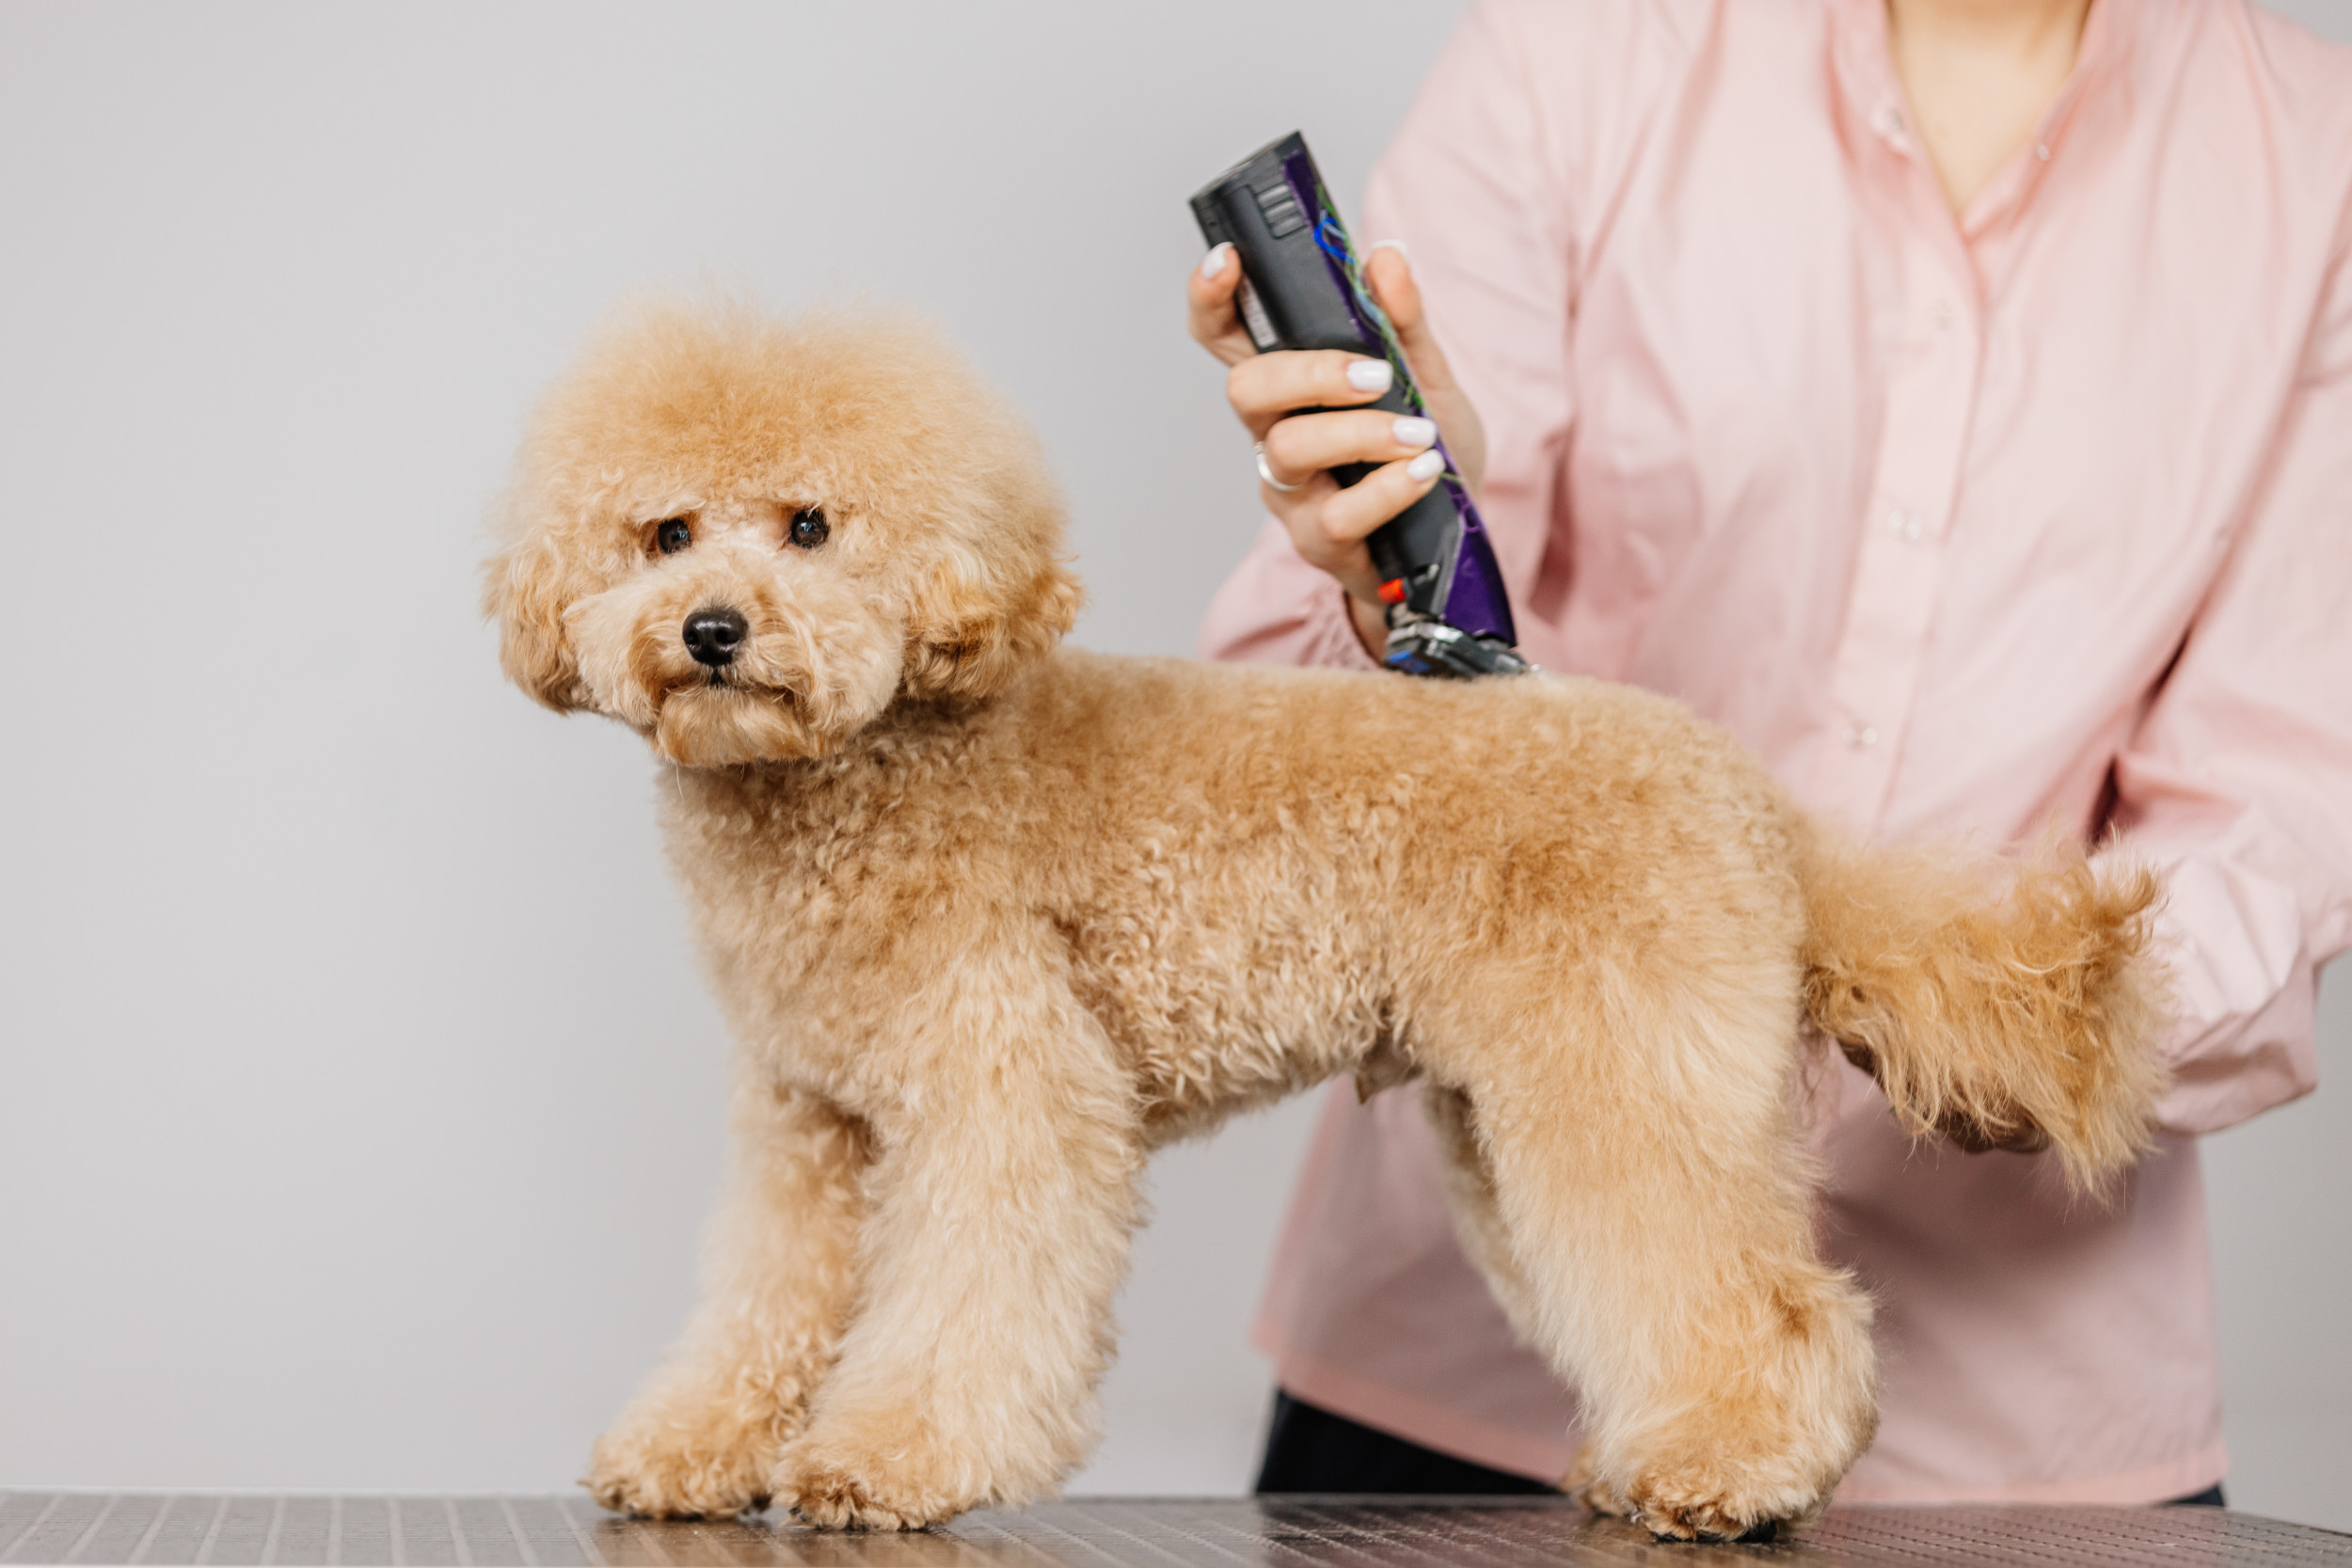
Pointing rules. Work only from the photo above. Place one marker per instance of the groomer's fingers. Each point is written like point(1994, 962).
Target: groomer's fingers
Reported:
point(1974, 1138)
point(1345, 560)
point(1328, 524)
point(1209, 306)
point(1355, 512)
point(1304, 444)
point(1389, 274)
point(1965, 1133)
point(1266, 386)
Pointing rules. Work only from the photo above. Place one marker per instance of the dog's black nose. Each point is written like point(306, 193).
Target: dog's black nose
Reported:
point(713, 635)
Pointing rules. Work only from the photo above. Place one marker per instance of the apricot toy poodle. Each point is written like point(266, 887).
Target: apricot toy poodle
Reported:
point(992, 919)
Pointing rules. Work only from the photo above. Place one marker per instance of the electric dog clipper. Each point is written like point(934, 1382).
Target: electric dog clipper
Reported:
point(1302, 287)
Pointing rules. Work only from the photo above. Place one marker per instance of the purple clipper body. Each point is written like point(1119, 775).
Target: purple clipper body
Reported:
point(1471, 597)
point(1302, 287)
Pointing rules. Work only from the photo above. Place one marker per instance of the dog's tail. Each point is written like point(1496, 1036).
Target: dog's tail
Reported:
point(2001, 1020)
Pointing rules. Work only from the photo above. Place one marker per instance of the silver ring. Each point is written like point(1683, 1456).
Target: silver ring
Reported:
point(1267, 474)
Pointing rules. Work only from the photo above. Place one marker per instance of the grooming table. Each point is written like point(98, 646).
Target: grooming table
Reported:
point(190, 1528)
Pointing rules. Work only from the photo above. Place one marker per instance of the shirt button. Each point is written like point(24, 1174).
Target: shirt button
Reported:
point(1943, 315)
point(1861, 737)
point(1890, 122)
point(1907, 526)
point(2042, 151)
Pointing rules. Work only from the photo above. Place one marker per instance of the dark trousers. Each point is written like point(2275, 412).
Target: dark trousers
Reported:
point(1310, 1449)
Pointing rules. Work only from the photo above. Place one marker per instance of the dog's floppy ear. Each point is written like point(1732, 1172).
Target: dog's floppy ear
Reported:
point(996, 595)
point(968, 634)
point(524, 590)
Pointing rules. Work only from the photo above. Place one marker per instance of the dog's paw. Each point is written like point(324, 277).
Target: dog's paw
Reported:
point(673, 1459)
point(1671, 1518)
point(891, 1484)
point(1698, 1501)
point(1585, 1484)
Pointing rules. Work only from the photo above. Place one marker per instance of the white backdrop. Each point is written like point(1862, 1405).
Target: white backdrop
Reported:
point(359, 1102)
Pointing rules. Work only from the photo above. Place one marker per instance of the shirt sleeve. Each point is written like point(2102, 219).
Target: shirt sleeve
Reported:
point(2237, 782)
point(1473, 186)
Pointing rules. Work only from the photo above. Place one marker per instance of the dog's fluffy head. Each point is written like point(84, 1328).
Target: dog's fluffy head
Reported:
point(882, 523)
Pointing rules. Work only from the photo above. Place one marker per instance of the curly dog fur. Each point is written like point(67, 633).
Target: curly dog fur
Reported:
point(991, 920)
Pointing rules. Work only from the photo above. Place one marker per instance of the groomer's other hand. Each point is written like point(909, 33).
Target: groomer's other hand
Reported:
point(1328, 525)
point(1971, 1136)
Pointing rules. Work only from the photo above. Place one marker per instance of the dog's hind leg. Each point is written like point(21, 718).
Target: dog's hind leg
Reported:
point(1003, 1198)
point(1651, 1180)
point(703, 1438)
point(1469, 1190)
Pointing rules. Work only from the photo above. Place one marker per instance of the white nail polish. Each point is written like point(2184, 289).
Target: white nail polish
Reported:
point(1212, 264)
point(1411, 432)
point(1369, 375)
point(1429, 465)
point(1397, 246)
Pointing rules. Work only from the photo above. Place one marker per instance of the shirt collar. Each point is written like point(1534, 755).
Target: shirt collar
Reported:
point(1875, 101)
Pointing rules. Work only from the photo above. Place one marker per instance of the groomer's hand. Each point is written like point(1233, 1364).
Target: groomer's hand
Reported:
point(1327, 523)
point(2016, 1135)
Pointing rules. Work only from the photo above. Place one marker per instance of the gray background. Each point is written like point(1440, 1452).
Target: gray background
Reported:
point(359, 1102)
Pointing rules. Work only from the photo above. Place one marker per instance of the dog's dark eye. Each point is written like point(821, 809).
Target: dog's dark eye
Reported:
point(673, 536)
point(809, 527)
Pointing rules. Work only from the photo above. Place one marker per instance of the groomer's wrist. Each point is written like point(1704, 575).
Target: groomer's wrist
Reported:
point(1371, 622)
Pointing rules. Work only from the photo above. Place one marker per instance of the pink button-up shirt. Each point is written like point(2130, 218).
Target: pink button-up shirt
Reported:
point(2042, 516)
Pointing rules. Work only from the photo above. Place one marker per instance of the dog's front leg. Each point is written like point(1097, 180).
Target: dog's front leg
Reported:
point(778, 1277)
point(1003, 1196)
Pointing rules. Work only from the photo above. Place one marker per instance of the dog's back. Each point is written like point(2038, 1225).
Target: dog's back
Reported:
point(1255, 877)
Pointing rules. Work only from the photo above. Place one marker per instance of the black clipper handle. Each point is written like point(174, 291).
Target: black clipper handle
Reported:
point(1301, 288)
point(1287, 301)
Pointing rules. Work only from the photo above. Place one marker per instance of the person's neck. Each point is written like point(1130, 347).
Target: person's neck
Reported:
point(1980, 74)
